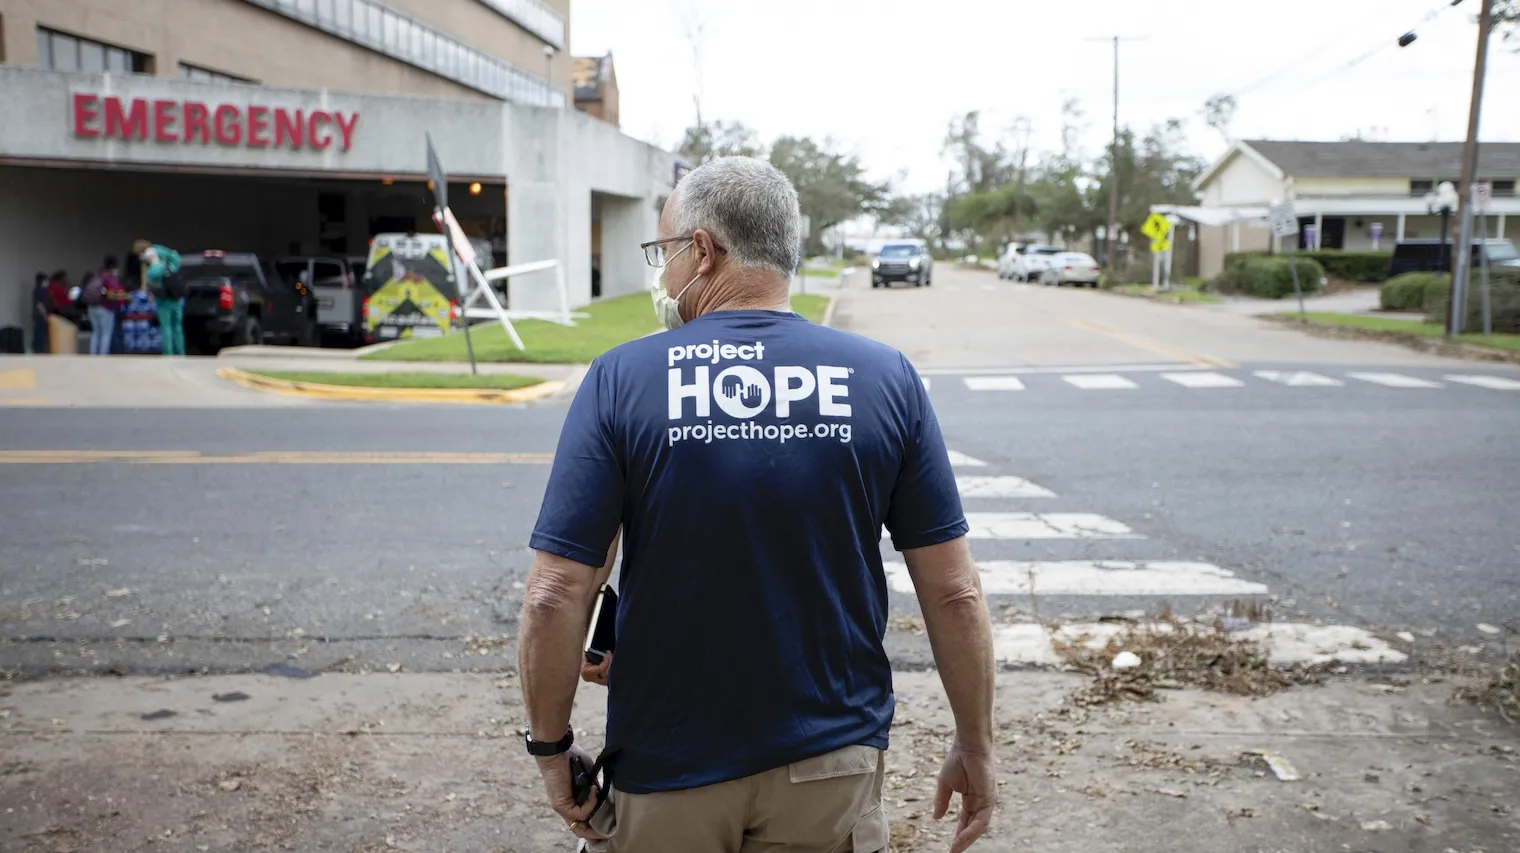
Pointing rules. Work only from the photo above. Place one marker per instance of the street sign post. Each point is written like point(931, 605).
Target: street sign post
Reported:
point(1157, 227)
point(438, 182)
point(1482, 195)
point(1284, 221)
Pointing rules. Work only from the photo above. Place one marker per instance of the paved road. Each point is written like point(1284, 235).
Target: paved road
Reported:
point(1357, 491)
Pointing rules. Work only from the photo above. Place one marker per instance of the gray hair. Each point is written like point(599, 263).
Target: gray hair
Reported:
point(749, 207)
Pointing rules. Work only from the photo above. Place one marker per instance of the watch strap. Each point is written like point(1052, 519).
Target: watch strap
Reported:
point(545, 749)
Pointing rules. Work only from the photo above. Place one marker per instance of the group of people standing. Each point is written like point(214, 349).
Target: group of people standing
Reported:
point(117, 303)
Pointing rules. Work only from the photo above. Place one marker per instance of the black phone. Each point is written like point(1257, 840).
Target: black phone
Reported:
point(601, 636)
point(582, 783)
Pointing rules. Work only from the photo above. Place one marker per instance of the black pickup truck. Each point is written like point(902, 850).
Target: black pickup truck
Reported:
point(234, 299)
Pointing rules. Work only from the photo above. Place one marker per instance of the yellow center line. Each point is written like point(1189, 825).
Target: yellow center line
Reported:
point(275, 457)
point(1140, 342)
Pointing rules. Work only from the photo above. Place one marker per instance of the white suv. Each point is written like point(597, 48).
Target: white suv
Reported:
point(1034, 260)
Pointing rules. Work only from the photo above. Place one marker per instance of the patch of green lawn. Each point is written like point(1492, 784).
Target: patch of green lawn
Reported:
point(1408, 327)
point(611, 322)
point(405, 380)
point(1176, 294)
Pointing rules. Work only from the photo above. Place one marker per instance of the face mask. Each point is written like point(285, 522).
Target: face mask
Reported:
point(667, 308)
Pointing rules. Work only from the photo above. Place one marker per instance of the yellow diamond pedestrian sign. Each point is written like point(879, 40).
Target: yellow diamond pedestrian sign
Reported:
point(1156, 227)
point(1159, 246)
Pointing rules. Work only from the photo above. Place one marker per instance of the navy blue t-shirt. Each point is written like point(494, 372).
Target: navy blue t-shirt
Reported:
point(752, 459)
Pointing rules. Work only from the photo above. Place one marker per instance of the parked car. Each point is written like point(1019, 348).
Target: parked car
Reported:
point(1008, 260)
point(339, 298)
point(1425, 256)
point(1076, 268)
point(1033, 260)
point(903, 260)
point(234, 298)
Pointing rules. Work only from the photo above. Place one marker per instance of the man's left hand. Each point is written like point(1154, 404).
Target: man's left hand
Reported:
point(558, 786)
point(596, 673)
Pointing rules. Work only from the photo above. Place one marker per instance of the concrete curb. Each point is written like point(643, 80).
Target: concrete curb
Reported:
point(318, 391)
point(1433, 346)
point(828, 312)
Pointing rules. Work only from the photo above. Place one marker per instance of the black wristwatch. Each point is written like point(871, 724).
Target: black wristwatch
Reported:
point(547, 748)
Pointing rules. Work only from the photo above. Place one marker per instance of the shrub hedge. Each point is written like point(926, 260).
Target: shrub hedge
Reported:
point(1269, 277)
point(1370, 267)
point(1407, 292)
point(1504, 290)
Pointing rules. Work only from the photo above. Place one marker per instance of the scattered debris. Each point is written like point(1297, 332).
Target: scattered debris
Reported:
point(160, 714)
point(485, 645)
point(1502, 692)
point(393, 667)
point(120, 623)
point(1174, 652)
point(1405, 636)
point(235, 696)
point(119, 593)
point(92, 562)
point(287, 671)
point(1280, 766)
point(229, 784)
point(1376, 825)
point(1491, 630)
point(1172, 792)
point(914, 624)
point(1371, 777)
point(1126, 660)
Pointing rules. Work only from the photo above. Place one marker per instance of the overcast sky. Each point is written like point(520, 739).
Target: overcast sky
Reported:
point(883, 77)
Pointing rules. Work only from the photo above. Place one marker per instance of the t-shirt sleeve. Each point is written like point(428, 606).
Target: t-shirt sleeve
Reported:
point(926, 505)
point(583, 504)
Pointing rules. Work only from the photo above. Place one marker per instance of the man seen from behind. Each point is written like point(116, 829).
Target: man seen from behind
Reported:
point(751, 460)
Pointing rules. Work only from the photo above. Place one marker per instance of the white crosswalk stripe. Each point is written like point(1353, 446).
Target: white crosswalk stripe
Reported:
point(961, 460)
point(1203, 379)
point(1052, 525)
point(1394, 380)
point(993, 383)
point(1497, 383)
point(1099, 381)
point(1097, 577)
point(1299, 379)
point(1000, 487)
point(1286, 643)
point(1035, 644)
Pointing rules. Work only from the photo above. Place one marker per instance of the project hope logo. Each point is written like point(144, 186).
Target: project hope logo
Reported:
point(744, 392)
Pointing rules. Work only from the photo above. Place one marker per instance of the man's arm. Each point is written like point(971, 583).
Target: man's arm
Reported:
point(960, 633)
point(555, 612)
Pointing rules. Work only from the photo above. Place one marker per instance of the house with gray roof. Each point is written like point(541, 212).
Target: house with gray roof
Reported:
point(1353, 195)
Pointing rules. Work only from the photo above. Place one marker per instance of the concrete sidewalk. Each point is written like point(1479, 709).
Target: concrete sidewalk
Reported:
point(432, 762)
point(192, 383)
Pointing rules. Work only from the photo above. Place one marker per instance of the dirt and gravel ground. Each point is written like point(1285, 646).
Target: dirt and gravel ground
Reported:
point(430, 762)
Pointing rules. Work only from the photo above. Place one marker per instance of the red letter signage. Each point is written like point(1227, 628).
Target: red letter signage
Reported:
point(84, 111)
point(126, 125)
point(169, 121)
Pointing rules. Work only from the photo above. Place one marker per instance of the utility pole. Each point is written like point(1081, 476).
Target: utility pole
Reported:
point(1021, 124)
point(1457, 304)
point(1112, 231)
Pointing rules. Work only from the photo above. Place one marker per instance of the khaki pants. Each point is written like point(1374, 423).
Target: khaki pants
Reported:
point(828, 804)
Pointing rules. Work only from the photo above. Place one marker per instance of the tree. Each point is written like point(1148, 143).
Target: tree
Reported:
point(831, 184)
point(1154, 169)
point(1219, 112)
point(1507, 18)
point(919, 215)
point(704, 142)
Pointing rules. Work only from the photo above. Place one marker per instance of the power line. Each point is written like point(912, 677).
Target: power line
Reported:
point(1381, 45)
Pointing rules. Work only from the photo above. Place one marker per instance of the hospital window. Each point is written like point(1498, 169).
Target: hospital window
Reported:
point(206, 75)
point(63, 52)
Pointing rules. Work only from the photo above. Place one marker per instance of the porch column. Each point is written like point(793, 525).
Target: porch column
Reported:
point(1235, 236)
point(1319, 231)
point(1400, 238)
point(1500, 235)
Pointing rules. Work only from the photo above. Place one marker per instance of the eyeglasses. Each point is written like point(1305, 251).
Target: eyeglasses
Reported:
point(654, 250)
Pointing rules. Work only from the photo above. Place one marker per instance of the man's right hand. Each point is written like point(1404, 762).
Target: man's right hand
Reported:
point(971, 774)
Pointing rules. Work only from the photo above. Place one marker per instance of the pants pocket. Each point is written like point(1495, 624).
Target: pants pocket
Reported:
point(604, 823)
point(871, 833)
point(850, 761)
